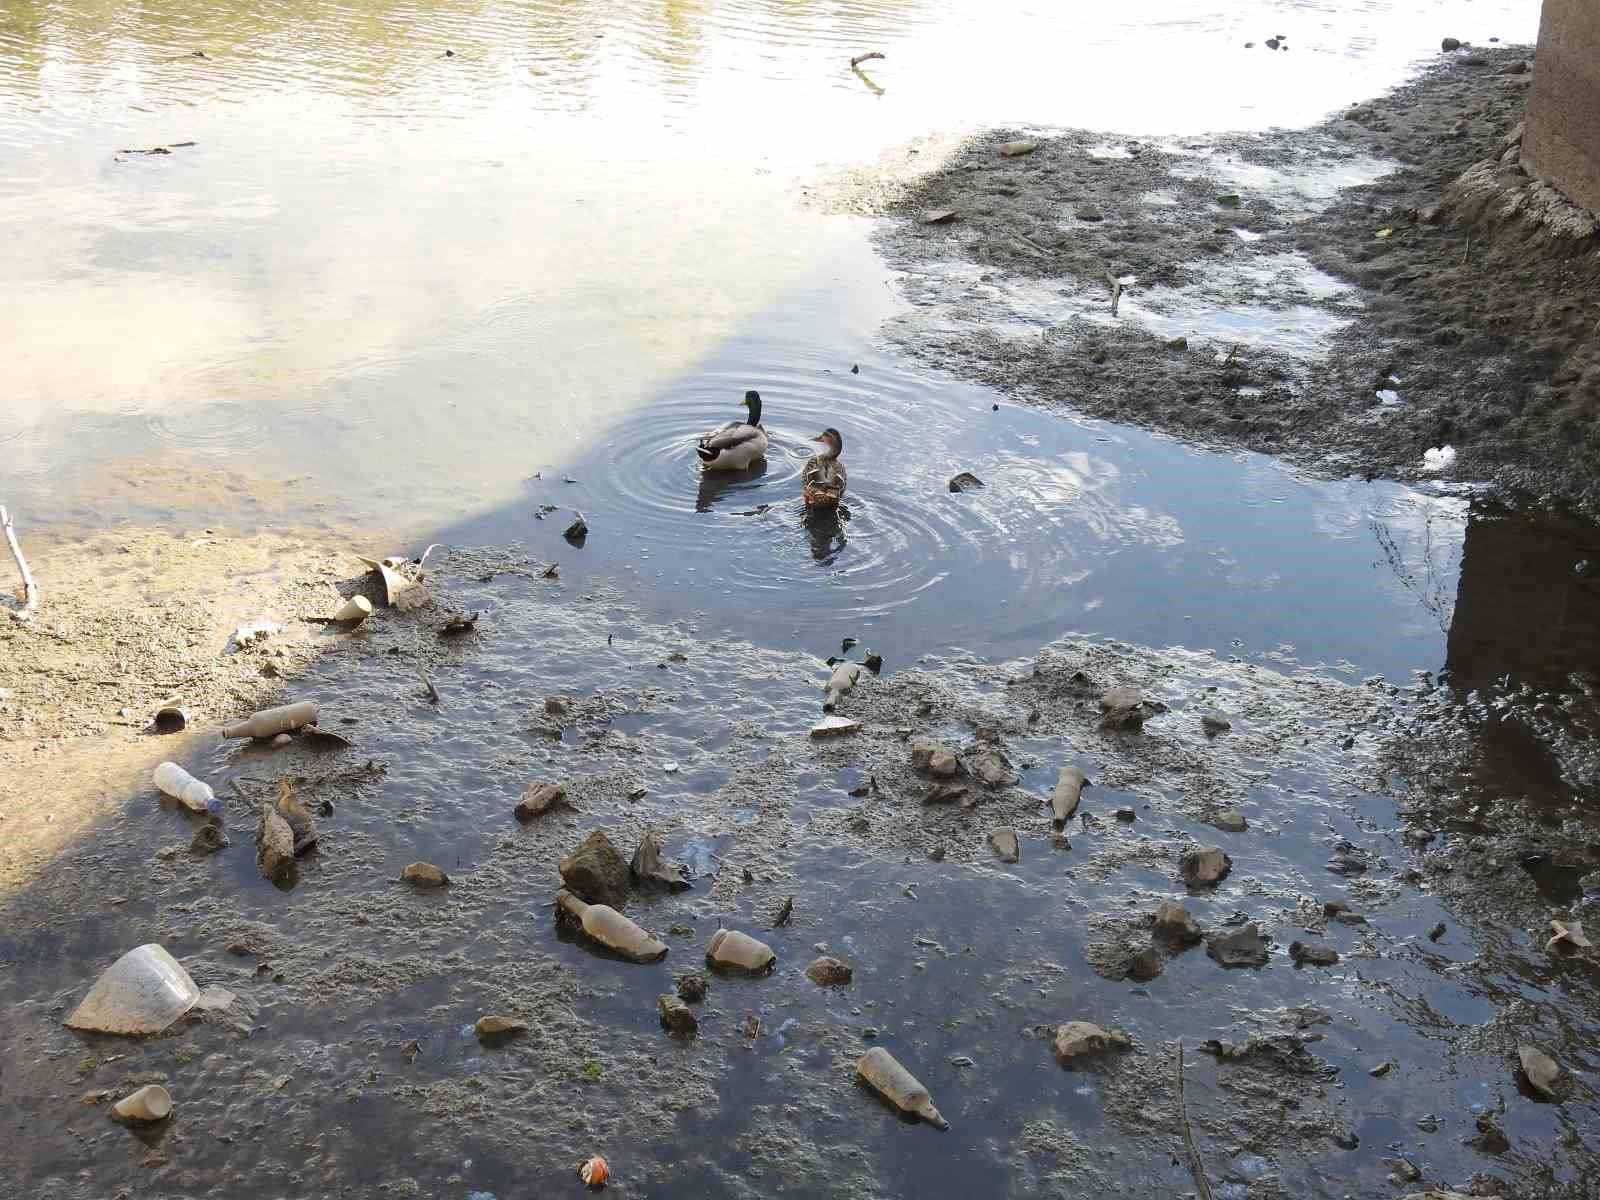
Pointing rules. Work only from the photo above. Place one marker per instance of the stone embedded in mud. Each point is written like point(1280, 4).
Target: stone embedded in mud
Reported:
point(1078, 1041)
point(1126, 815)
point(1146, 965)
point(1122, 709)
point(989, 764)
point(829, 972)
point(1212, 724)
point(274, 845)
point(1175, 926)
point(939, 216)
point(692, 987)
point(1230, 820)
point(1243, 947)
point(1540, 1070)
point(1491, 1139)
point(496, 1028)
point(1004, 842)
point(1204, 868)
point(208, 839)
point(1018, 148)
point(649, 870)
point(595, 871)
point(424, 875)
point(948, 793)
point(539, 799)
point(1088, 212)
point(1450, 44)
point(966, 481)
point(557, 706)
point(1178, 343)
point(676, 1016)
point(1316, 955)
point(934, 759)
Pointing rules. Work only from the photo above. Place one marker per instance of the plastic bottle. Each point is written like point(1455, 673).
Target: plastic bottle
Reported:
point(730, 950)
point(611, 929)
point(186, 789)
point(270, 722)
point(898, 1086)
point(1064, 800)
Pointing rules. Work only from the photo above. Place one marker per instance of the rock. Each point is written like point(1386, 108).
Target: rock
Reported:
point(1146, 965)
point(829, 972)
point(1436, 932)
point(1178, 343)
point(1125, 814)
point(208, 839)
point(1078, 1041)
point(966, 481)
point(495, 1028)
point(948, 793)
point(557, 706)
point(692, 987)
point(1541, 1071)
point(596, 872)
point(934, 759)
point(282, 740)
point(1517, 68)
point(991, 767)
point(1229, 200)
point(274, 845)
point(834, 727)
point(1088, 212)
point(1204, 868)
point(424, 875)
point(649, 870)
point(1382, 1069)
point(1316, 955)
point(1230, 820)
point(1418, 837)
point(1346, 865)
point(1004, 842)
point(1243, 947)
point(1491, 1139)
point(939, 216)
point(1122, 708)
point(577, 532)
point(1211, 724)
point(1450, 44)
point(1018, 148)
point(1568, 938)
point(539, 799)
point(676, 1016)
point(1175, 926)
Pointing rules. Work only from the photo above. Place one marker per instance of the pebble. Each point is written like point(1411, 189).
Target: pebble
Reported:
point(1004, 842)
point(1230, 820)
point(1126, 814)
point(424, 875)
point(1541, 1071)
point(829, 972)
point(1175, 925)
point(1316, 955)
point(692, 987)
point(1018, 148)
point(1205, 867)
point(495, 1028)
point(1078, 1040)
point(676, 1016)
point(1382, 1069)
point(1211, 723)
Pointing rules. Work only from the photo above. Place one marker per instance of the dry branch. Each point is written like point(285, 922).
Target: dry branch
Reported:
point(30, 590)
point(867, 57)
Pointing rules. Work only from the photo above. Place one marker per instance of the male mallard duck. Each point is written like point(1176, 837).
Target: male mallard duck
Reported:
point(737, 444)
point(822, 478)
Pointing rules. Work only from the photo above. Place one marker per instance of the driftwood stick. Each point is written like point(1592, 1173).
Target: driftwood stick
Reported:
point(867, 57)
point(1196, 1167)
point(30, 590)
point(1115, 285)
point(432, 692)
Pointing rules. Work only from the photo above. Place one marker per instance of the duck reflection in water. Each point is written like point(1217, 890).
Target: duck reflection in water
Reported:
point(721, 487)
point(824, 529)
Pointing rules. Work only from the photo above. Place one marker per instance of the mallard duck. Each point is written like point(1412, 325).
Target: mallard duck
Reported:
point(738, 443)
point(822, 479)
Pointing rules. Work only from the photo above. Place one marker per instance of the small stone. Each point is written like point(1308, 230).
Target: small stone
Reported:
point(1078, 1041)
point(1178, 343)
point(1204, 868)
point(1418, 837)
point(1346, 1139)
point(936, 854)
point(282, 740)
point(1175, 926)
point(939, 216)
point(1018, 148)
point(1123, 708)
point(1382, 1069)
point(991, 768)
point(1212, 724)
point(1450, 44)
point(1230, 820)
point(424, 875)
point(578, 531)
point(1004, 842)
point(1436, 932)
point(934, 759)
point(869, 1033)
point(596, 871)
point(1146, 965)
point(1088, 212)
point(829, 972)
point(1316, 955)
point(692, 987)
point(833, 726)
point(208, 839)
point(495, 1028)
point(1346, 865)
point(948, 793)
point(676, 1016)
point(638, 792)
point(1517, 68)
point(966, 481)
point(1126, 814)
point(1243, 947)
point(540, 798)
point(1541, 1071)
point(1491, 1139)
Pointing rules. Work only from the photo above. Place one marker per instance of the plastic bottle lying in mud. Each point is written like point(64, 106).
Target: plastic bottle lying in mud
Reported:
point(604, 924)
point(270, 722)
point(898, 1086)
point(1069, 787)
point(732, 951)
point(186, 789)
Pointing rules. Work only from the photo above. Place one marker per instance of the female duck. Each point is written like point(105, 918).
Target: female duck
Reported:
point(822, 479)
point(738, 444)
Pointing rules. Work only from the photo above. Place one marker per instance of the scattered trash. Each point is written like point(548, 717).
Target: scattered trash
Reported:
point(1569, 938)
point(1203, 868)
point(144, 991)
point(326, 738)
point(171, 719)
point(676, 1016)
point(428, 690)
point(829, 972)
point(1384, 232)
point(496, 1028)
point(1018, 148)
point(353, 611)
point(459, 624)
point(1068, 790)
point(540, 798)
point(594, 1172)
point(965, 482)
point(840, 684)
point(150, 1103)
point(649, 870)
point(186, 789)
point(395, 584)
point(603, 924)
point(254, 634)
point(1004, 842)
point(939, 216)
point(270, 722)
point(898, 1086)
point(424, 875)
point(1438, 458)
point(596, 871)
point(1540, 1070)
point(832, 726)
point(1079, 1040)
point(298, 818)
point(577, 532)
point(732, 952)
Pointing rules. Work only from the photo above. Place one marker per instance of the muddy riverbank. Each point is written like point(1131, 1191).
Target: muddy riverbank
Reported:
point(1338, 296)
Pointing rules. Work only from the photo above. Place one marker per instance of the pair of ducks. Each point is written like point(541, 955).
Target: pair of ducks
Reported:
point(739, 445)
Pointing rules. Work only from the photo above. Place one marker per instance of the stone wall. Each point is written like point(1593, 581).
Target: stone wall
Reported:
point(1561, 144)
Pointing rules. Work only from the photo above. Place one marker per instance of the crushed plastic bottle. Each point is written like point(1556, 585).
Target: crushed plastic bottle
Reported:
point(186, 789)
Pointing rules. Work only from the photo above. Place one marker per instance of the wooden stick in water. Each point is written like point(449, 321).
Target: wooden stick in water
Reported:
point(867, 57)
point(30, 590)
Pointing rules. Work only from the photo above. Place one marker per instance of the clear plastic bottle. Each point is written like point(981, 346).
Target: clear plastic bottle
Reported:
point(186, 789)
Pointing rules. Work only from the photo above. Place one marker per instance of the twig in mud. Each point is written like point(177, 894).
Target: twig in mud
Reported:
point(1196, 1167)
point(433, 692)
point(1115, 285)
point(867, 57)
point(862, 75)
point(30, 590)
point(1466, 253)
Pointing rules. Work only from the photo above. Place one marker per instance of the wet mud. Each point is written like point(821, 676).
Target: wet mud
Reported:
point(1348, 296)
point(364, 992)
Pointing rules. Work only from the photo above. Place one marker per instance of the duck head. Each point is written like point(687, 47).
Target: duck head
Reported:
point(752, 401)
point(831, 439)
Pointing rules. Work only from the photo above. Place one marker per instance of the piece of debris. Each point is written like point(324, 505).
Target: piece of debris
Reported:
point(395, 585)
point(869, 56)
point(1078, 1041)
point(577, 532)
point(1244, 947)
point(603, 924)
point(459, 624)
point(785, 911)
point(834, 726)
point(1541, 1071)
point(1438, 458)
point(1382, 1069)
point(676, 1016)
point(30, 590)
point(144, 991)
point(1205, 868)
point(327, 739)
point(965, 482)
point(939, 216)
point(352, 612)
point(299, 820)
point(1068, 790)
point(735, 953)
point(840, 684)
point(1004, 843)
point(540, 798)
point(149, 1104)
point(594, 1172)
point(424, 875)
point(1569, 938)
point(649, 870)
point(596, 871)
point(1018, 148)
point(881, 1072)
point(282, 740)
point(829, 972)
point(1125, 815)
point(171, 719)
point(1436, 932)
point(496, 1028)
point(183, 787)
point(270, 722)
point(1316, 955)
point(1175, 926)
